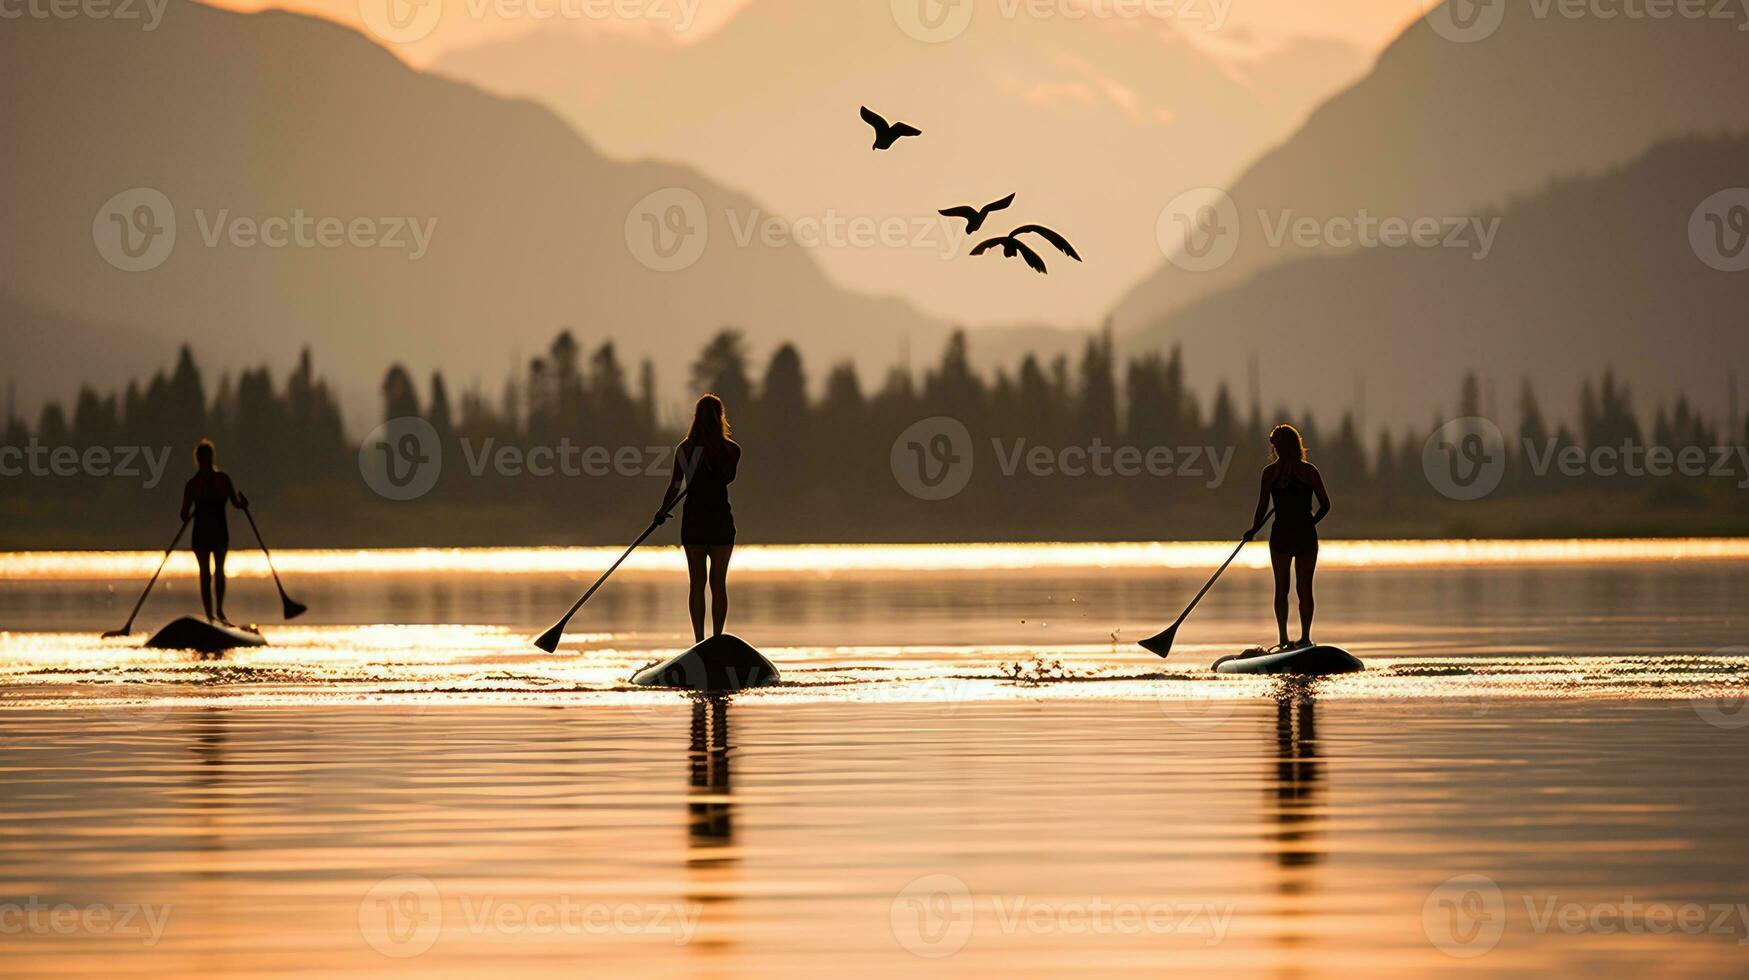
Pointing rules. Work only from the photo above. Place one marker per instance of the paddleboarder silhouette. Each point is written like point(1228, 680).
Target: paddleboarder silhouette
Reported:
point(203, 498)
point(705, 462)
point(1289, 484)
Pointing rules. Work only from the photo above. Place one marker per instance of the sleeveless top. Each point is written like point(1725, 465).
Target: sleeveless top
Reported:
point(708, 477)
point(210, 492)
point(1293, 502)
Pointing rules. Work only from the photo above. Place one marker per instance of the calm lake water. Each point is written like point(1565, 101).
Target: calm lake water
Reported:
point(969, 767)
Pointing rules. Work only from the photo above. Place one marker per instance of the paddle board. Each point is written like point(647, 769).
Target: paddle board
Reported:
point(718, 665)
point(1312, 660)
point(191, 633)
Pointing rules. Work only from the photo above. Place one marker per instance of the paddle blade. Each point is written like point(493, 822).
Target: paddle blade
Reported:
point(112, 634)
point(549, 641)
point(293, 608)
point(1160, 644)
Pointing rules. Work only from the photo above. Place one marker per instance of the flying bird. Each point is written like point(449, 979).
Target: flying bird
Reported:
point(1061, 243)
point(1012, 245)
point(975, 216)
point(886, 134)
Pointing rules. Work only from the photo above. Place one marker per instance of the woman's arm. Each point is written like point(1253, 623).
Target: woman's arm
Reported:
point(188, 500)
point(237, 499)
point(1262, 505)
point(1323, 496)
point(731, 461)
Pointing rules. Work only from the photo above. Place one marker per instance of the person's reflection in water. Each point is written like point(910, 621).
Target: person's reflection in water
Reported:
point(208, 788)
point(211, 735)
point(712, 825)
point(1295, 806)
point(710, 855)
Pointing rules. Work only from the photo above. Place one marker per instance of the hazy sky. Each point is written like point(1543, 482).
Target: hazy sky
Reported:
point(1367, 23)
point(1102, 73)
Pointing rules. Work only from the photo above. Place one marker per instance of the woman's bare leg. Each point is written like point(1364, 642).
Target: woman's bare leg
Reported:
point(695, 572)
point(1282, 562)
point(204, 558)
point(720, 586)
point(1308, 566)
point(219, 585)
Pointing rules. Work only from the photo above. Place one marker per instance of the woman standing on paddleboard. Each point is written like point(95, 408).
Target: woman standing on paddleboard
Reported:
point(1290, 483)
point(705, 462)
point(203, 498)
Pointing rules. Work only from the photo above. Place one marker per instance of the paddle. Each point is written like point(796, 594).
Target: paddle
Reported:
point(293, 608)
point(1161, 643)
point(549, 641)
point(148, 590)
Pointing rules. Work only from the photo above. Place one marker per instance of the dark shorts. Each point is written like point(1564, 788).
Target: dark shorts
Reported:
point(1292, 542)
point(710, 529)
point(209, 537)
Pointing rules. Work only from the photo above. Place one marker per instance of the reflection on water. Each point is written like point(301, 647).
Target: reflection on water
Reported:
point(1296, 774)
point(1569, 733)
point(711, 859)
point(712, 827)
point(1308, 837)
point(1294, 804)
point(208, 792)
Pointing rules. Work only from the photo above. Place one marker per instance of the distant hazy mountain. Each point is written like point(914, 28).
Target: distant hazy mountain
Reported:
point(1442, 128)
point(245, 122)
point(47, 356)
point(1588, 273)
point(1095, 122)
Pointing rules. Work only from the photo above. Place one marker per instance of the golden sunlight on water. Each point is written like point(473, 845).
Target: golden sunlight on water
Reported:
point(976, 772)
point(1288, 837)
point(879, 558)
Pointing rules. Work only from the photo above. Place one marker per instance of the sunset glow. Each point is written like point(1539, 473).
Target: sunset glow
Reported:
point(832, 559)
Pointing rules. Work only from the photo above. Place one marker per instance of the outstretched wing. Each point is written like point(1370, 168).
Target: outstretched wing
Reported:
point(988, 244)
point(1031, 257)
point(1048, 235)
point(874, 119)
point(969, 214)
point(906, 129)
point(999, 205)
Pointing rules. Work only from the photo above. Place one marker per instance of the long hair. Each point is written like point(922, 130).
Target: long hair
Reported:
point(204, 454)
point(1285, 443)
point(710, 422)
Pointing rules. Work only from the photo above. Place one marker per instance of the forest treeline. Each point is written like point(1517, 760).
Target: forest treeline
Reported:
point(514, 467)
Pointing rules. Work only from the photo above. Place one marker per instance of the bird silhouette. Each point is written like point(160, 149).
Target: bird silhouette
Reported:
point(1061, 243)
point(975, 216)
point(886, 134)
point(1012, 246)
